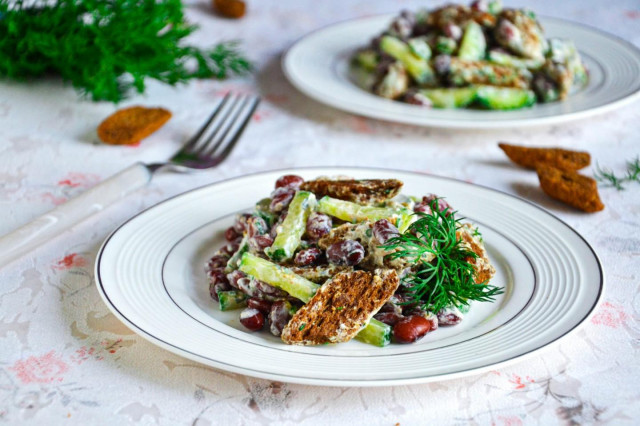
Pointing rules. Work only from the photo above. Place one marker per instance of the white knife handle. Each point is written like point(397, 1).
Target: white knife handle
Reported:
point(39, 231)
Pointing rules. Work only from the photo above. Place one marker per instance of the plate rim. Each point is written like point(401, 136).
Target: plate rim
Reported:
point(446, 123)
point(345, 382)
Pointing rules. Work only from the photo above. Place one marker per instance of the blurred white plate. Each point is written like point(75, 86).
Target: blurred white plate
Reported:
point(318, 65)
point(150, 274)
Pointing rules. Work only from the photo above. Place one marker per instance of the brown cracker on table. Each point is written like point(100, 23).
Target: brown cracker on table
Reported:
point(130, 125)
point(230, 8)
point(559, 158)
point(571, 188)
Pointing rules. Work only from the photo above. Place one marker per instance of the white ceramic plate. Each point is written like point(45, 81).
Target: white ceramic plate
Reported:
point(150, 274)
point(318, 65)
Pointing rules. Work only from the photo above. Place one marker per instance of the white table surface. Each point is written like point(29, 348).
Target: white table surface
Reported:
point(65, 359)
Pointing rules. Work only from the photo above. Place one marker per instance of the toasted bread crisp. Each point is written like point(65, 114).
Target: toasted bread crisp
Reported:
point(571, 188)
point(472, 240)
point(341, 307)
point(367, 191)
point(562, 159)
point(129, 126)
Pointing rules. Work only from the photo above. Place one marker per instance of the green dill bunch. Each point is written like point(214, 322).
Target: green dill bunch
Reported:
point(442, 275)
point(107, 48)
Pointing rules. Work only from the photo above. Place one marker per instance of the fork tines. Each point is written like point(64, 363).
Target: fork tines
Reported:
point(227, 122)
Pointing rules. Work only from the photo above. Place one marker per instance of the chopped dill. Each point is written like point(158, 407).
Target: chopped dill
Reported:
point(448, 278)
point(608, 177)
point(108, 48)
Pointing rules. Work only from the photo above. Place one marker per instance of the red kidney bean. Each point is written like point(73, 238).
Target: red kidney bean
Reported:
point(241, 222)
point(453, 31)
point(281, 198)
point(480, 5)
point(246, 285)
point(231, 234)
point(215, 288)
point(252, 319)
point(422, 208)
point(429, 316)
point(389, 318)
point(383, 230)
point(218, 275)
point(262, 305)
point(433, 320)
point(310, 256)
point(429, 200)
point(268, 291)
point(442, 64)
point(390, 306)
point(410, 329)
point(274, 228)
point(234, 276)
point(402, 26)
point(231, 247)
point(279, 316)
point(289, 181)
point(217, 282)
point(449, 317)
point(218, 260)
point(347, 252)
point(260, 242)
point(414, 97)
point(256, 226)
point(318, 225)
point(506, 30)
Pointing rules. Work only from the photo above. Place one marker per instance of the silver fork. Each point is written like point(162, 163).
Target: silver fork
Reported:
point(202, 151)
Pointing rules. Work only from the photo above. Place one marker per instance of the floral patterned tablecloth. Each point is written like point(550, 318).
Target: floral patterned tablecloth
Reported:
point(65, 359)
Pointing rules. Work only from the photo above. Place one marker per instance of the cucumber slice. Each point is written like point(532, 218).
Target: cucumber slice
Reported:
point(474, 44)
point(353, 212)
point(293, 226)
point(263, 210)
point(375, 333)
point(495, 7)
point(278, 276)
point(457, 97)
point(446, 45)
point(394, 83)
point(420, 48)
point(229, 300)
point(232, 263)
point(367, 59)
point(417, 67)
point(502, 58)
point(505, 97)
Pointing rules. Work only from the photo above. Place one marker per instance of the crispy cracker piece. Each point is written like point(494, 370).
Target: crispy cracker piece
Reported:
point(472, 240)
point(341, 307)
point(366, 191)
point(230, 8)
point(571, 188)
point(129, 126)
point(563, 159)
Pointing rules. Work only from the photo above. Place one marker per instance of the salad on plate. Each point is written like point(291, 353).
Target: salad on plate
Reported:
point(327, 260)
point(477, 56)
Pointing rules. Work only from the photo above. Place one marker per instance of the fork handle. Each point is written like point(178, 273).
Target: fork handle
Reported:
point(42, 229)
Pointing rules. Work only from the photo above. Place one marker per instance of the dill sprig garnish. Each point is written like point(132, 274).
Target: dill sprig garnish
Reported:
point(443, 276)
point(633, 170)
point(608, 177)
point(107, 48)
